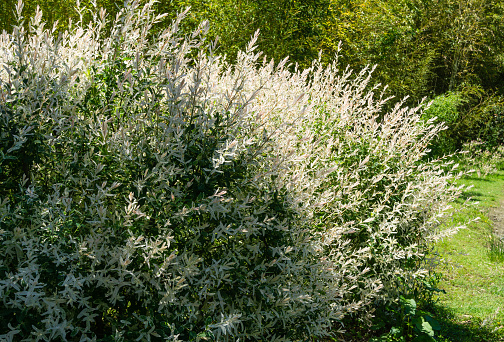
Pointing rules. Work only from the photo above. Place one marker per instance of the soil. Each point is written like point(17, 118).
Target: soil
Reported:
point(497, 216)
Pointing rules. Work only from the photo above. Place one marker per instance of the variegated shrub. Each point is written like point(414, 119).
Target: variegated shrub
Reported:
point(151, 191)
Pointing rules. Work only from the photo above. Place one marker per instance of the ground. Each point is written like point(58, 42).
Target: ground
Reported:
point(496, 214)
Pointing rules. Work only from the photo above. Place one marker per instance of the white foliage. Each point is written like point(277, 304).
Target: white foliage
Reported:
point(151, 190)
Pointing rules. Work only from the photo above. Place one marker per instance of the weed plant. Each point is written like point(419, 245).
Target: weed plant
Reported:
point(476, 157)
point(496, 245)
point(152, 191)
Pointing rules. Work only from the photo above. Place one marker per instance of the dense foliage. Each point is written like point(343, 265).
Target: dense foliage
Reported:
point(151, 190)
point(423, 48)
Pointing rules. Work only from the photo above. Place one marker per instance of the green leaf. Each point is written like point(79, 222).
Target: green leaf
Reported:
point(433, 323)
point(423, 326)
point(409, 305)
point(394, 331)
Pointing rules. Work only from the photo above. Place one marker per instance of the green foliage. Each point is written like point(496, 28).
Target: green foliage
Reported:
point(445, 109)
point(490, 126)
point(479, 158)
point(288, 28)
point(408, 323)
point(429, 49)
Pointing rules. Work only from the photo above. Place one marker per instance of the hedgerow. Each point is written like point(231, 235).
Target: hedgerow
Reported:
point(150, 190)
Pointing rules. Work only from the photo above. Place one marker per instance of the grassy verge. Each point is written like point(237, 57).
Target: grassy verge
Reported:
point(473, 270)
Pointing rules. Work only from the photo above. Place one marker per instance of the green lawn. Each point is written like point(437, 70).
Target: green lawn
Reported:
point(473, 272)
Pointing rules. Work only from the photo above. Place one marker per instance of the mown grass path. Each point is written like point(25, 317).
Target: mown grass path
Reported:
point(472, 264)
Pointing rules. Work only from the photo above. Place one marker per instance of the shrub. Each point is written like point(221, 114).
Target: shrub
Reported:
point(469, 114)
point(446, 109)
point(476, 158)
point(152, 191)
point(491, 129)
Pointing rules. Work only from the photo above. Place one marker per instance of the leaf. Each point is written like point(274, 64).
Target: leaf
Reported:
point(433, 322)
point(394, 331)
point(423, 326)
point(409, 305)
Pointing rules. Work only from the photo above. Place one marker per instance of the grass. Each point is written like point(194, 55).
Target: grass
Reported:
point(472, 264)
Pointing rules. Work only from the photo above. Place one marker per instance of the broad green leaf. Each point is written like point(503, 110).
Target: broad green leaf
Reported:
point(433, 322)
point(423, 326)
point(409, 305)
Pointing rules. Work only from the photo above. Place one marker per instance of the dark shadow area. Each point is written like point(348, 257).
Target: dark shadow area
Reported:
point(470, 195)
point(469, 330)
point(489, 178)
point(476, 178)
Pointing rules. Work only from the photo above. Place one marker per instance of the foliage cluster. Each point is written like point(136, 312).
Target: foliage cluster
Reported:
point(423, 48)
point(412, 324)
point(445, 50)
point(474, 158)
point(150, 190)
